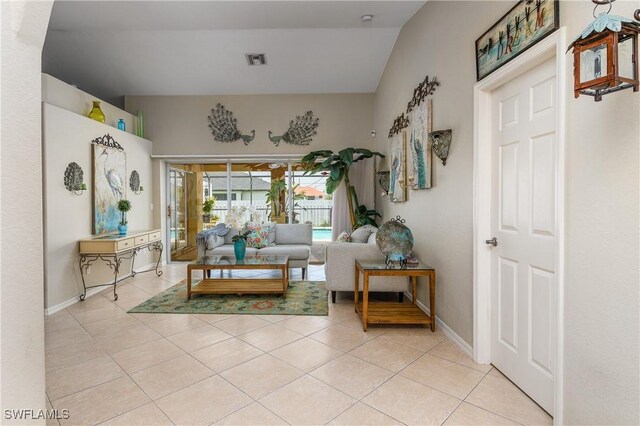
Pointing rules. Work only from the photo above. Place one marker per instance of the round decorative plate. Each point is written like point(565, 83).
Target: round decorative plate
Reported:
point(395, 240)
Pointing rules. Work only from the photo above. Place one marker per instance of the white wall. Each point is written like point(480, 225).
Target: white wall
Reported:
point(179, 125)
point(602, 304)
point(602, 203)
point(440, 217)
point(21, 289)
point(68, 218)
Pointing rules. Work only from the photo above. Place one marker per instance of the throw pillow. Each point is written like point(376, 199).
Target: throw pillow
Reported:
point(344, 237)
point(272, 233)
point(258, 235)
point(361, 235)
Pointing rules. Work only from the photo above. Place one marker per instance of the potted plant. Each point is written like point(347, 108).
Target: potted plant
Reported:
point(207, 208)
point(240, 244)
point(338, 165)
point(124, 206)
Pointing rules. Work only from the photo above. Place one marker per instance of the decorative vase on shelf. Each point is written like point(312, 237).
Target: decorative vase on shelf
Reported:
point(96, 113)
point(240, 249)
point(122, 229)
point(122, 125)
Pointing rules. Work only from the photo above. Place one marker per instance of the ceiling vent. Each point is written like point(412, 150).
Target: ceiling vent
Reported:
point(256, 59)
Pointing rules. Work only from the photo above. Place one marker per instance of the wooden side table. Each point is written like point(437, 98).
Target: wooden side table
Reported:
point(388, 312)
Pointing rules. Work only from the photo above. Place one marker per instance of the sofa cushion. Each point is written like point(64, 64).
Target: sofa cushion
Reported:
point(272, 233)
point(372, 238)
point(361, 235)
point(227, 250)
point(258, 235)
point(344, 237)
point(294, 251)
point(294, 233)
point(232, 233)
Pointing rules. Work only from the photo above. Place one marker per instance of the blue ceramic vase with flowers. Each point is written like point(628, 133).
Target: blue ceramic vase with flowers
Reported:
point(240, 245)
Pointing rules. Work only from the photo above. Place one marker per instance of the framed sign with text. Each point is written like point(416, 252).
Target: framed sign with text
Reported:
point(528, 22)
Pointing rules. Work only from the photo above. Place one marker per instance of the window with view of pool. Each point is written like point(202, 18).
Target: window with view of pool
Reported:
point(322, 234)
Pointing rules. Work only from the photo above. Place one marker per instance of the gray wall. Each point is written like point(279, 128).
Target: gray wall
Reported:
point(179, 125)
point(602, 203)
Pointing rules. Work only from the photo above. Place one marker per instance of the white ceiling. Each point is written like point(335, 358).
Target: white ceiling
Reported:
point(115, 48)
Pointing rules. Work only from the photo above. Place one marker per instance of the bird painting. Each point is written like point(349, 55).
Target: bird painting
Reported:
point(109, 166)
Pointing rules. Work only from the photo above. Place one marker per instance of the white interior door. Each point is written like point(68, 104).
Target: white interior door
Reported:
point(524, 223)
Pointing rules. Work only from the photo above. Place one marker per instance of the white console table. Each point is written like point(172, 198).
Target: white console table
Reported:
point(113, 249)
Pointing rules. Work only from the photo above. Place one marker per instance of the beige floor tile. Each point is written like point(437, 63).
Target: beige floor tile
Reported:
point(252, 414)
point(363, 415)
point(127, 338)
point(470, 415)
point(340, 337)
point(352, 375)
point(273, 318)
point(504, 398)
point(307, 401)
point(241, 324)
point(72, 354)
point(108, 312)
point(151, 318)
point(305, 325)
point(306, 354)
point(412, 403)
point(61, 313)
point(213, 318)
point(197, 338)
point(125, 291)
point(386, 354)
point(110, 326)
point(152, 286)
point(175, 325)
point(169, 376)
point(270, 337)
point(226, 354)
point(89, 304)
point(341, 312)
point(146, 355)
point(58, 323)
point(422, 339)
point(128, 303)
point(373, 330)
point(65, 336)
point(261, 375)
point(446, 376)
point(496, 373)
point(102, 402)
point(203, 403)
point(147, 415)
point(72, 379)
point(450, 351)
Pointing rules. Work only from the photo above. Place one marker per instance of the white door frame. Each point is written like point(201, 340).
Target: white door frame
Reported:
point(553, 45)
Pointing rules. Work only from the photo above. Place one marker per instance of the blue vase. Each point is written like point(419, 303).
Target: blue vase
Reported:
point(122, 229)
point(122, 125)
point(240, 249)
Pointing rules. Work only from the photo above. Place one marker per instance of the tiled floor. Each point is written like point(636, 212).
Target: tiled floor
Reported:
point(109, 367)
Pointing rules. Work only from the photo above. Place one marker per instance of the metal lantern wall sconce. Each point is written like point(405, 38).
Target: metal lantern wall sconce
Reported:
point(73, 176)
point(383, 181)
point(605, 55)
point(440, 143)
point(134, 183)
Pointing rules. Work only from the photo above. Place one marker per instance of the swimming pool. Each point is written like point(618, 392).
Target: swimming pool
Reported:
point(321, 234)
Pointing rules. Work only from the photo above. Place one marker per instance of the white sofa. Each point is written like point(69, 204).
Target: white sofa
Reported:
point(340, 268)
point(293, 240)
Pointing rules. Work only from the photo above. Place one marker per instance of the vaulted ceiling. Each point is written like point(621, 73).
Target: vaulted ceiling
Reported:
point(116, 48)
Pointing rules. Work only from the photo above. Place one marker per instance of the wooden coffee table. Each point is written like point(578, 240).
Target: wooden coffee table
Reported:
point(232, 285)
point(388, 312)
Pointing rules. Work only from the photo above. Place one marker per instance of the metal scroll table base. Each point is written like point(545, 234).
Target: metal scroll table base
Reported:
point(114, 261)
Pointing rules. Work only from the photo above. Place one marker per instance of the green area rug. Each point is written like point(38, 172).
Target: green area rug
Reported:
point(303, 298)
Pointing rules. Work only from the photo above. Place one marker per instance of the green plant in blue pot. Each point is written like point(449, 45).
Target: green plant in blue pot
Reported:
point(240, 244)
point(124, 206)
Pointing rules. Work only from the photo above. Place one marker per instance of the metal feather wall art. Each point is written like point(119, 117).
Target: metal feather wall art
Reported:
point(424, 89)
point(224, 126)
point(301, 130)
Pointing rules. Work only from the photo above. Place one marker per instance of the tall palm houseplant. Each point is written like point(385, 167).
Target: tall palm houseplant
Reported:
point(338, 165)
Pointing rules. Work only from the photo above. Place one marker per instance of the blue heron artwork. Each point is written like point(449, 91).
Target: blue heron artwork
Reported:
point(397, 183)
point(109, 171)
point(420, 147)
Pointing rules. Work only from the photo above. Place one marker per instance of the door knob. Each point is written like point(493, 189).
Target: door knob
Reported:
point(493, 242)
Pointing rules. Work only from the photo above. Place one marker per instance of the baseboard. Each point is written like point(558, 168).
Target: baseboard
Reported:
point(91, 292)
point(452, 335)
